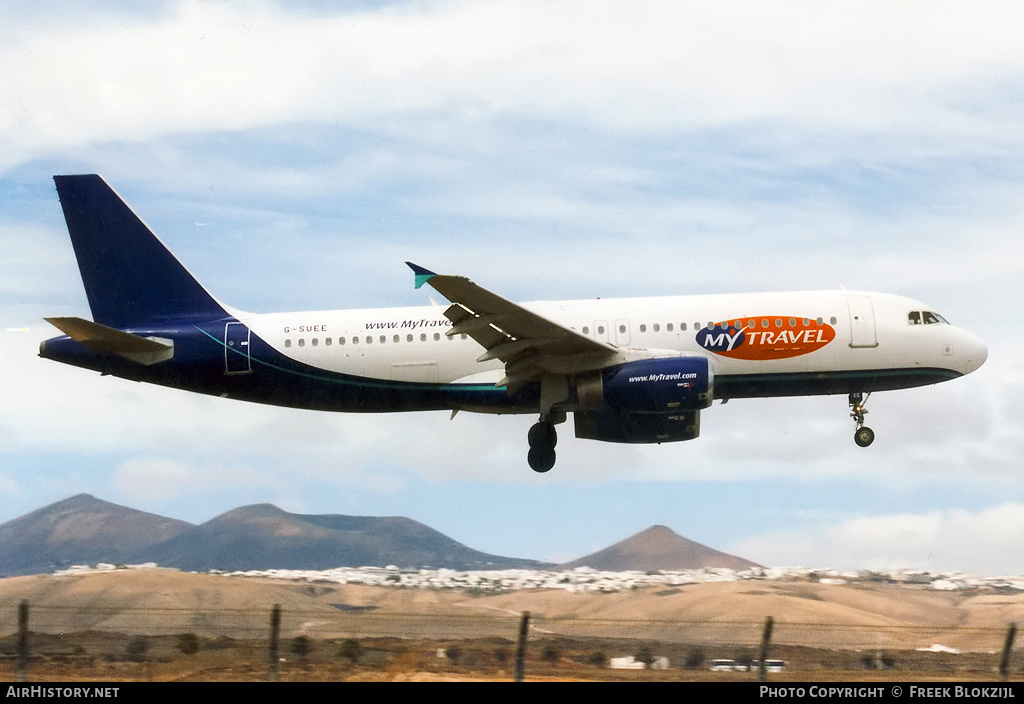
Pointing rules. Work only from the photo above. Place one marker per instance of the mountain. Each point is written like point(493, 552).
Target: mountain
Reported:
point(87, 530)
point(81, 529)
point(658, 548)
point(263, 536)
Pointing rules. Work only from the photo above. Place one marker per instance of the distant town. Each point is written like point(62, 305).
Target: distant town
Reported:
point(586, 579)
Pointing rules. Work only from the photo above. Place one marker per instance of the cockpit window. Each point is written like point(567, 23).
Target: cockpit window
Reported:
point(925, 317)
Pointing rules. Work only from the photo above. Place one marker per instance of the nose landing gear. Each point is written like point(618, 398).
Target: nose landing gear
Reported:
point(863, 435)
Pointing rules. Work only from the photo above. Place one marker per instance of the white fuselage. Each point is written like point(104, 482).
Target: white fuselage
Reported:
point(872, 331)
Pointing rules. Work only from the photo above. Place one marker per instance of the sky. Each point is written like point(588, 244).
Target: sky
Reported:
point(294, 155)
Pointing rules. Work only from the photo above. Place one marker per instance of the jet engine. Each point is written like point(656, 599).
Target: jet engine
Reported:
point(649, 400)
point(661, 385)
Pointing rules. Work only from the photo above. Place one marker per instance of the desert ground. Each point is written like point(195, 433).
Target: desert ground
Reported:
point(158, 624)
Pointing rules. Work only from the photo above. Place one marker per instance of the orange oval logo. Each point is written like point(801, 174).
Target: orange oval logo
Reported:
point(765, 337)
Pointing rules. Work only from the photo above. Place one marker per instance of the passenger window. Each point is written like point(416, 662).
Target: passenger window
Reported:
point(820, 321)
point(669, 327)
point(586, 330)
point(437, 336)
point(383, 339)
point(600, 329)
point(327, 341)
point(643, 328)
point(302, 342)
point(315, 341)
point(657, 327)
point(832, 320)
point(369, 339)
point(287, 343)
point(423, 337)
point(341, 340)
point(395, 338)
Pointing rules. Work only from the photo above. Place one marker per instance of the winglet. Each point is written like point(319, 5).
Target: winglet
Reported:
point(422, 275)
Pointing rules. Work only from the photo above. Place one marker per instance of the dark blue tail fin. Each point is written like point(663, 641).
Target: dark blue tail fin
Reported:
point(130, 278)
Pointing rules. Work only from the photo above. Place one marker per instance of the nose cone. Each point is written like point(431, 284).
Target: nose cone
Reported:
point(972, 352)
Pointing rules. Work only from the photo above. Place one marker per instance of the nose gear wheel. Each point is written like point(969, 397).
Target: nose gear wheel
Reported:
point(863, 435)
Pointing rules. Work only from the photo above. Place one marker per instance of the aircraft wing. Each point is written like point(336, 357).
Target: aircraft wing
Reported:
point(529, 344)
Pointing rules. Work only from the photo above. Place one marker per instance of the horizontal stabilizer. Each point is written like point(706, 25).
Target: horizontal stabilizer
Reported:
point(100, 338)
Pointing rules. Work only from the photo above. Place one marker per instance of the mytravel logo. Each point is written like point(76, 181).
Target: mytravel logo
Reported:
point(766, 337)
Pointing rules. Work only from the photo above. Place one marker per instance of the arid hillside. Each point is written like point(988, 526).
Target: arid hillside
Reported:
point(159, 601)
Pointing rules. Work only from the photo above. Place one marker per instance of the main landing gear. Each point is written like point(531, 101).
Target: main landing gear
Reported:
point(863, 435)
point(543, 439)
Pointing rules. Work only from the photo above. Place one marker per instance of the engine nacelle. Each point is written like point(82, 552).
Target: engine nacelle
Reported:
point(663, 385)
point(637, 427)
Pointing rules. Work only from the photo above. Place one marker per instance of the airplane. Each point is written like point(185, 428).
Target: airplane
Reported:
point(636, 370)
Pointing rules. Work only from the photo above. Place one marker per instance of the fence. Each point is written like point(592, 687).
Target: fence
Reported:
point(162, 634)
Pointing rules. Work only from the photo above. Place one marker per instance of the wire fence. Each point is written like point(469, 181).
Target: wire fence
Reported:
point(247, 623)
point(72, 634)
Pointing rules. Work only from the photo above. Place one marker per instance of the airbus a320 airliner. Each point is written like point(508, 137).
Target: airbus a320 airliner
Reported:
point(629, 370)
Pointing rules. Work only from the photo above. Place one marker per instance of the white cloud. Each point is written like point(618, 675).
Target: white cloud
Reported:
point(653, 65)
point(159, 480)
point(980, 541)
point(26, 245)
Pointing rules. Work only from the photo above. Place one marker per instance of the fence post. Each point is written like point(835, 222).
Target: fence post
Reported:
point(22, 640)
point(272, 652)
point(524, 624)
point(1004, 661)
point(766, 638)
